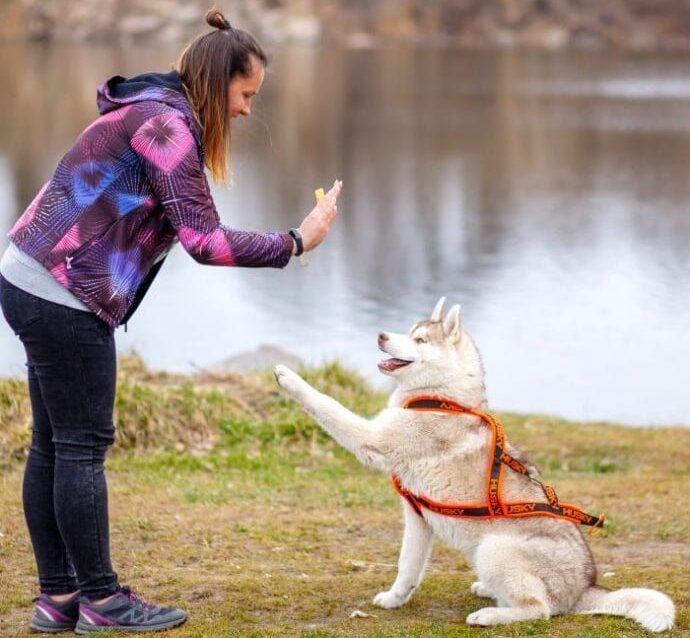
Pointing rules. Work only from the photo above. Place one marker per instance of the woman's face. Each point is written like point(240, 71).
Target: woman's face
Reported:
point(243, 88)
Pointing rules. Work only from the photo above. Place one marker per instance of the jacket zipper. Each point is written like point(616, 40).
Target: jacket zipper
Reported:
point(70, 258)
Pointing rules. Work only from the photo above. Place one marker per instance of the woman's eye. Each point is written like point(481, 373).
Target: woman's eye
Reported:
point(420, 340)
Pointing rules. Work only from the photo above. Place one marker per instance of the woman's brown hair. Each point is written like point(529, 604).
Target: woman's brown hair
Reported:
point(206, 67)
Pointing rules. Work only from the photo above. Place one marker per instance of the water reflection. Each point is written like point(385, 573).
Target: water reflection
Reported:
point(547, 193)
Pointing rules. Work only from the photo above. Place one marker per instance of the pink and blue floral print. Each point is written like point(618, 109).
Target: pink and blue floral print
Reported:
point(130, 186)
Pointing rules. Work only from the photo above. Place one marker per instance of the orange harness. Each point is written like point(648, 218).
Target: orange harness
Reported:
point(494, 506)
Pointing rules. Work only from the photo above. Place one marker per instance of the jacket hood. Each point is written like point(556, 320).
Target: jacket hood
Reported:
point(158, 87)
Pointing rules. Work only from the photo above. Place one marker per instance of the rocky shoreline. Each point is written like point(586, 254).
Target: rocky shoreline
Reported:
point(638, 25)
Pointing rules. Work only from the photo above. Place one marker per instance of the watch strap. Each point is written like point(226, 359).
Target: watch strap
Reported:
point(297, 236)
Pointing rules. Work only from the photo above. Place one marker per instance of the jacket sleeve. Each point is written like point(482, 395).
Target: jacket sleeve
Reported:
point(170, 159)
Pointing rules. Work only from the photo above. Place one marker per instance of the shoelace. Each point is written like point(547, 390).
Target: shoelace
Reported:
point(135, 600)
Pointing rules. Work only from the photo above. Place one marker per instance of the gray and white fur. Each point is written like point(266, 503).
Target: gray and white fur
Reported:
point(533, 567)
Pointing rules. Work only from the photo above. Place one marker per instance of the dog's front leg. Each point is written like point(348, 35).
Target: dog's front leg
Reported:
point(352, 432)
point(414, 553)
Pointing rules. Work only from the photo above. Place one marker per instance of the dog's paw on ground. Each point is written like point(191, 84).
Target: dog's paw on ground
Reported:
point(478, 588)
point(486, 617)
point(388, 600)
point(489, 616)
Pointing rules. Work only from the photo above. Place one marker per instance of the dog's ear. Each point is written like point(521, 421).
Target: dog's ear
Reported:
point(437, 314)
point(451, 326)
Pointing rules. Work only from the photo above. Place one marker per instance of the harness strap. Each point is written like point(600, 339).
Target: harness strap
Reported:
point(495, 506)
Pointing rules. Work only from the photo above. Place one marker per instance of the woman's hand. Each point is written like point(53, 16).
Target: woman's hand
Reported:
point(316, 224)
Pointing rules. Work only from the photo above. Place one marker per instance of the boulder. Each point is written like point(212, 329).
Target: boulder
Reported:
point(263, 358)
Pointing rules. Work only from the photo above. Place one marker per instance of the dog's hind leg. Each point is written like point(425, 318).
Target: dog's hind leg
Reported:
point(526, 599)
point(353, 432)
point(414, 553)
point(490, 616)
point(479, 589)
point(520, 593)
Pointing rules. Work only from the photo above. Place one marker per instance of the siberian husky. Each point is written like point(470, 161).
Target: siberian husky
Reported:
point(533, 566)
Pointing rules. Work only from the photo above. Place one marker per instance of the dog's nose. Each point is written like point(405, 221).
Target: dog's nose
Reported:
point(383, 337)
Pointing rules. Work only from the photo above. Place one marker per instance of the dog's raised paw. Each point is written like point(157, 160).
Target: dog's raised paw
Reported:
point(281, 373)
point(387, 600)
point(289, 380)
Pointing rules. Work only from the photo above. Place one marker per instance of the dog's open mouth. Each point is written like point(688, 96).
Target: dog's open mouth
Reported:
point(389, 365)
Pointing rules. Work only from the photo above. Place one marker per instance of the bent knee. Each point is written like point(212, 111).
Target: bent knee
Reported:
point(81, 444)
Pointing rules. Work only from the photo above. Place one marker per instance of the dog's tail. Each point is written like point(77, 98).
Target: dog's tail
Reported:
point(652, 609)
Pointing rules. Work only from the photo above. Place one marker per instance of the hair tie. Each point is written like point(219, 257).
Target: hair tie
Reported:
point(227, 25)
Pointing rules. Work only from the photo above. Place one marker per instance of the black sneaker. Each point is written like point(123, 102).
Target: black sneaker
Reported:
point(52, 617)
point(126, 612)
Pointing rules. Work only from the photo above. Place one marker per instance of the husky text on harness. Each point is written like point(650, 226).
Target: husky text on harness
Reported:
point(494, 505)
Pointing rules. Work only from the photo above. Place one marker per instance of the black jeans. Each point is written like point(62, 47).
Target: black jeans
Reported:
point(71, 361)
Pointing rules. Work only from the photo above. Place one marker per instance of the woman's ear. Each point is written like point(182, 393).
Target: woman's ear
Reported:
point(451, 326)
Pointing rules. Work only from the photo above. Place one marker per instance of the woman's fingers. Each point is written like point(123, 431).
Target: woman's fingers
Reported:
point(327, 208)
point(317, 223)
point(333, 194)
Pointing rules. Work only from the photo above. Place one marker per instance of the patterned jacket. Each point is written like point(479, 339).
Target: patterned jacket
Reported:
point(132, 183)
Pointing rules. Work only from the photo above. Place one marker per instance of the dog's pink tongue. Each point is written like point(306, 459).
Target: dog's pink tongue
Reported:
point(392, 364)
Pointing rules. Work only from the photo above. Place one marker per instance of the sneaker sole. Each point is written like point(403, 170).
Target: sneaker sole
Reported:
point(37, 626)
point(83, 628)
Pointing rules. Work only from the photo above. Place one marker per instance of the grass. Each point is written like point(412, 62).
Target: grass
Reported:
point(227, 500)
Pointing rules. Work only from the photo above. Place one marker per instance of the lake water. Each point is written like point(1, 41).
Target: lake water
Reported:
point(549, 194)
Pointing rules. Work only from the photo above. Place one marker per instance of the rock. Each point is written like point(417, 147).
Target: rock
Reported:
point(395, 21)
point(305, 30)
point(170, 33)
point(505, 38)
point(271, 26)
point(278, 27)
point(545, 34)
point(360, 40)
point(188, 15)
point(644, 40)
point(549, 24)
point(674, 43)
point(263, 358)
point(513, 13)
point(11, 20)
point(584, 37)
point(139, 25)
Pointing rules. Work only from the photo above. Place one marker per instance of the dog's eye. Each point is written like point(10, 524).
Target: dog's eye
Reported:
point(420, 340)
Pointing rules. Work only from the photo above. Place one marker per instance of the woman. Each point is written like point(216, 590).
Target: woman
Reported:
point(80, 260)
